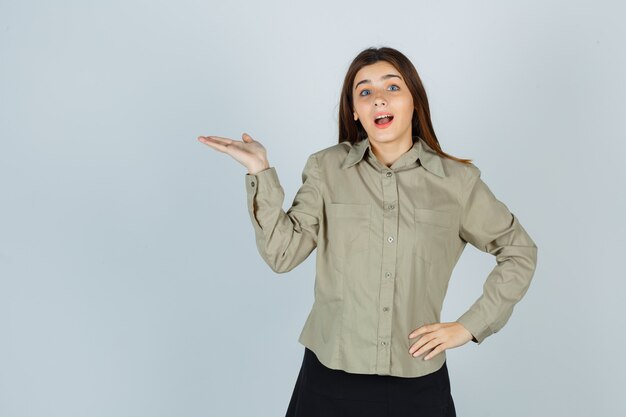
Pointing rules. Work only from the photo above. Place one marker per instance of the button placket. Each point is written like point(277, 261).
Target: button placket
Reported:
point(390, 223)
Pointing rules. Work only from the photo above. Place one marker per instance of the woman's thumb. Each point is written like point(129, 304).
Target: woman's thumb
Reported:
point(246, 137)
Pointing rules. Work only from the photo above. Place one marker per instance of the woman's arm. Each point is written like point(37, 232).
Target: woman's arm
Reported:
point(285, 239)
point(488, 225)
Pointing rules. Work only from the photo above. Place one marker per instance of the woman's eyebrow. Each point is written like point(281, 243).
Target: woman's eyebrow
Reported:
point(384, 77)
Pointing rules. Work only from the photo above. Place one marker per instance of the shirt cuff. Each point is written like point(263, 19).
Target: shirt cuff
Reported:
point(262, 180)
point(475, 325)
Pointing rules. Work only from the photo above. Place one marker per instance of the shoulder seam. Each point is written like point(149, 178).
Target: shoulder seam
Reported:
point(318, 176)
point(468, 184)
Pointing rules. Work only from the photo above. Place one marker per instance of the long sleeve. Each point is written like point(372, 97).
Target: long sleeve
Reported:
point(285, 239)
point(488, 225)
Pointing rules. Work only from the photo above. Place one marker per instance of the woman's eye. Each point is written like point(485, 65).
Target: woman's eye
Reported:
point(363, 95)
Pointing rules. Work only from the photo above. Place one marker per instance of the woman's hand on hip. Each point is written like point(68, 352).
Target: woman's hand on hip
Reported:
point(438, 337)
point(249, 152)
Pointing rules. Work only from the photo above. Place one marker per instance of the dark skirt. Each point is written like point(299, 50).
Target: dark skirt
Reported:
point(325, 392)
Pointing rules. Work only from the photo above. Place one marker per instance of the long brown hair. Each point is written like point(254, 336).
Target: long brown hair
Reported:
point(353, 131)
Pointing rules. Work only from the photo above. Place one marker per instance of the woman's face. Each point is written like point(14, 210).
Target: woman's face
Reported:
point(380, 89)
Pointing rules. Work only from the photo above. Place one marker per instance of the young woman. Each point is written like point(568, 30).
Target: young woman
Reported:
point(390, 214)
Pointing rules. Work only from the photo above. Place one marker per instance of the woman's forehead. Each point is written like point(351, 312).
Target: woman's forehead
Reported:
point(376, 72)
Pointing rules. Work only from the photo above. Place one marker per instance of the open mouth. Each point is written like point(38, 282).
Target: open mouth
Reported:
point(383, 120)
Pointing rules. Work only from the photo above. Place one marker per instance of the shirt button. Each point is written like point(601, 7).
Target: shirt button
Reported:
point(384, 343)
point(389, 174)
point(385, 308)
point(391, 207)
point(390, 239)
point(388, 274)
point(252, 183)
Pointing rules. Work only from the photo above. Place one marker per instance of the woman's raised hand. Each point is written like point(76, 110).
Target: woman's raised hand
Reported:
point(249, 152)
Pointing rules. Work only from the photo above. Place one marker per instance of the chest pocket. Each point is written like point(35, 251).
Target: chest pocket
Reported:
point(435, 231)
point(348, 233)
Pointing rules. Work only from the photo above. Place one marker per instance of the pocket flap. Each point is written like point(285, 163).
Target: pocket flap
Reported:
point(349, 210)
point(441, 218)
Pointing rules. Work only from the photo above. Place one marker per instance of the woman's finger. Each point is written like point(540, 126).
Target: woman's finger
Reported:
point(423, 341)
point(419, 330)
point(434, 352)
point(216, 142)
point(217, 139)
point(432, 344)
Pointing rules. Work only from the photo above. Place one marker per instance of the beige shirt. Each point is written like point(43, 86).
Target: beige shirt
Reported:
point(387, 240)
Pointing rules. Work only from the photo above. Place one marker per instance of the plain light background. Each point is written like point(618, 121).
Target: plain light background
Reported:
point(130, 283)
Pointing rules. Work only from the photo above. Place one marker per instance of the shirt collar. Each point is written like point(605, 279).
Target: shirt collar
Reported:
point(428, 158)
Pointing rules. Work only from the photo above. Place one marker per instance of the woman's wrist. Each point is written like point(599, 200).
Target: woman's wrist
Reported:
point(259, 167)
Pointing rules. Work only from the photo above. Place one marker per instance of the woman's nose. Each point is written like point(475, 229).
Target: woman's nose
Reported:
point(379, 100)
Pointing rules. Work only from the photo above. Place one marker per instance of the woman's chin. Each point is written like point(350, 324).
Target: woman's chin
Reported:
point(384, 135)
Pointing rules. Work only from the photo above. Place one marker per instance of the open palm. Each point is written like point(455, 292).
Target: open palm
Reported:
point(249, 152)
